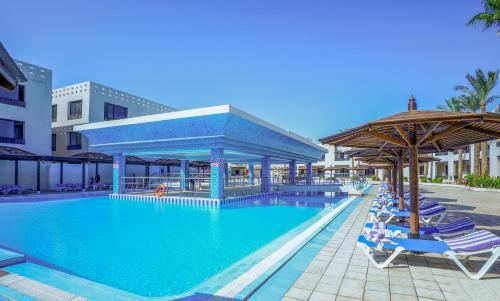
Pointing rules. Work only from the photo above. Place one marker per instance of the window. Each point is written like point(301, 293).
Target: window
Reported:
point(421, 170)
point(11, 131)
point(75, 110)
point(74, 141)
point(54, 142)
point(340, 156)
point(112, 112)
point(21, 93)
point(13, 98)
point(54, 113)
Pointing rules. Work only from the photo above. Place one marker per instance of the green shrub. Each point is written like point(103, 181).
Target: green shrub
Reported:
point(483, 182)
point(374, 178)
point(423, 179)
point(438, 180)
point(405, 179)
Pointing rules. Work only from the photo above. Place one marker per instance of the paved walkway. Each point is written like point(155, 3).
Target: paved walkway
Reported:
point(16, 287)
point(340, 271)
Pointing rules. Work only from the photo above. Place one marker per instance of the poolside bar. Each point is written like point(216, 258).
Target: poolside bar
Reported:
point(219, 135)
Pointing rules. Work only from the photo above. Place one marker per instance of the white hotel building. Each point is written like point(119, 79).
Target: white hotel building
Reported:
point(447, 167)
point(25, 123)
point(89, 102)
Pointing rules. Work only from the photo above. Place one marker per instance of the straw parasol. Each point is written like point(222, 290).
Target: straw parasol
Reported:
point(419, 131)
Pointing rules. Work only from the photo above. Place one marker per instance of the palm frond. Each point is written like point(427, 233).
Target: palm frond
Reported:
point(490, 17)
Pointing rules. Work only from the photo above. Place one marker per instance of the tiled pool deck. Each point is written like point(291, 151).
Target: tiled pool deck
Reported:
point(341, 272)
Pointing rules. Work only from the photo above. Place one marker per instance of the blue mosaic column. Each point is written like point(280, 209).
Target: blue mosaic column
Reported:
point(292, 172)
point(217, 173)
point(265, 174)
point(309, 173)
point(226, 174)
point(184, 173)
point(251, 174)
point(118, 172)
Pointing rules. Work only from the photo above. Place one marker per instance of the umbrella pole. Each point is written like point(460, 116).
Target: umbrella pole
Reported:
point(400, 181)
point(394, 181)
point(414, 218)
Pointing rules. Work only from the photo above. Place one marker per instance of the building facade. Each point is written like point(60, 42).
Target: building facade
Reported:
point(336, 163)
point(25, 122)
point(447, 166)
point(89, 102)
point(24, 113)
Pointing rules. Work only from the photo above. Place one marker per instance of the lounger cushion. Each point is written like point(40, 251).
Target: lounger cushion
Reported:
point(477, 241)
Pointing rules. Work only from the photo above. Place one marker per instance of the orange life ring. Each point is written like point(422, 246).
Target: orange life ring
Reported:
point(160, 190)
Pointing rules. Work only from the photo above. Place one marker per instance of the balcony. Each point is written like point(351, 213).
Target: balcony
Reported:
point(11, 140)
point(74, 146)
point(12, 102)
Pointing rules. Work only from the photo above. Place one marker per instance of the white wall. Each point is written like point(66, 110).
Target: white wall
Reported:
point(27, 173)
point(93, 97)
point(137, 106)
point(36, 115)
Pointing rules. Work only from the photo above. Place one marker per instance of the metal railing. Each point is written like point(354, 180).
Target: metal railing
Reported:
point(196, 185)
point(241, 186)
point(338, 178)
point(174, 185)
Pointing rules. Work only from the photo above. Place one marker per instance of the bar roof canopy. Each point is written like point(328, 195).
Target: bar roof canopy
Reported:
point(191, 134)
point(10, 75)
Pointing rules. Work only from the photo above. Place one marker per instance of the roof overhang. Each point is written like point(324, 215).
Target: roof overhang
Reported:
point(191, 134)
point(10, 75)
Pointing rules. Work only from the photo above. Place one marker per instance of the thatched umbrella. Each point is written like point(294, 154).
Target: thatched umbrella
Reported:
point(391, 161)
point(421, 131)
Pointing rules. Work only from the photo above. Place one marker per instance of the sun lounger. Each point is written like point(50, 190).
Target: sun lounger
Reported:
point(480, 242)
point(426, 214)
point(455, 228)
point(14, 189)
point(4, 189)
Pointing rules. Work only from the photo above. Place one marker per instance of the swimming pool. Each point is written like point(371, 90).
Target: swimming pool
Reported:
point(149, 249)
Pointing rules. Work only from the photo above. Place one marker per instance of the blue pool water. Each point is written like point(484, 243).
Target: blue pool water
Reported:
point(146, 248)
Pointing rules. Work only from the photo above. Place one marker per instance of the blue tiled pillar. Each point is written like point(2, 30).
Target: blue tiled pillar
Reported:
point(118, 172)
point(251, 174)
point(184, 173)
point(265, 174)
point(309, 173)
point(226, 174)
point(292, 172)
point(217, 173)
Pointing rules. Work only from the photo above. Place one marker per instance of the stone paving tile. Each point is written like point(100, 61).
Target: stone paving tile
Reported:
point(342, 272)
point(317, 296)
point(298, 293)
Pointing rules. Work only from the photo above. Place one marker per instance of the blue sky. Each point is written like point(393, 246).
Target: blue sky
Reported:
point(313, 67)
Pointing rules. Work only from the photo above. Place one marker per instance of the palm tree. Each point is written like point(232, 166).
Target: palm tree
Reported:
point(476, 98)
point(490, 17)
point(473, 104)
point(455, 104)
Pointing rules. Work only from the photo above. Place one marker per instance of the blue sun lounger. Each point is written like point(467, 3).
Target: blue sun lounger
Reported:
point(458, 227)
point(426, 214)
point(479, 242)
